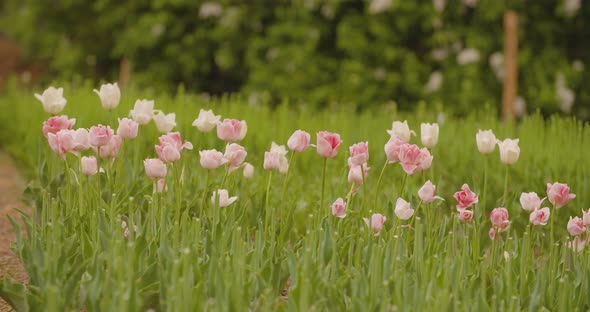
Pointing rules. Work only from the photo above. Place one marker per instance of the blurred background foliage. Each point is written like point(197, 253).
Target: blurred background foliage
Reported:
point(317, 52)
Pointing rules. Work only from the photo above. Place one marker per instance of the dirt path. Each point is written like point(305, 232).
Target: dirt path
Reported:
point(11, 187)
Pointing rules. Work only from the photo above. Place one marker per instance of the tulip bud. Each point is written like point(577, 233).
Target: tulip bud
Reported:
point(109, 95)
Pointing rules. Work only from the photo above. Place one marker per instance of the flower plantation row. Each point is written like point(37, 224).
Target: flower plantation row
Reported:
point(106, 144)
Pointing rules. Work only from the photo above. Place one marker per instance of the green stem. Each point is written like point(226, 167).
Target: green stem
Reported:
point(379, 184)
point(287, 175)
point(415, 212)
point(266, 200)
point(553, 217)
point(323, 183)
point(204, 196)
point(485, 184)
point(506, 188)
point(405, 179)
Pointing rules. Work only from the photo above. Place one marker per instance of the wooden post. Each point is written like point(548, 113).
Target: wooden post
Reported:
point(510, 64)
point(124, 73)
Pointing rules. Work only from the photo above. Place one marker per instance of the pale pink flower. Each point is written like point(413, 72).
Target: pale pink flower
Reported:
point(401, 130)
point(230, 130)
point(110, 150)
point(299, 141)
point(540, 216)
point(357, 175)
point(359, 153)
point(499, 218)
point(328, 143)
point(559, 194)
point(577, 244)
point(89, 165)
point(128, 128)
point(155, 168)
point(211, 159)
point(164, 122)
point(465, 215)
point(100, 135)
point(392, 148)
point(576, 226)
point(235, 155)
point(465, 198)
point(413, 159)
point(56, 123)
point(492, 234)
point(403, 210)
point(222, 199)
point(170, 147)
point(62, 142)
point(586, 217)
point(427, 192)
point(339, 208)
point(530, 201)
point(142, 112)
point(248, 171)
point(161, 186)
point(206, 120)
point(81, 140)
point(376, 223)
point(276, 159)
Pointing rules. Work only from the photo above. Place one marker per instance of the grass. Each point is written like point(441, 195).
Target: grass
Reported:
point(239, 258)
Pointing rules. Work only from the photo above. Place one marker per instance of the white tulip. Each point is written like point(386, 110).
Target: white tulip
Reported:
point(206, 121)
point(222, 199)
point(401, 130)
point(509, 151)
point(429, 134)
point(142, 112)
point(52, 100)
point(110, 95)
point(164, 123)
point(486, 141)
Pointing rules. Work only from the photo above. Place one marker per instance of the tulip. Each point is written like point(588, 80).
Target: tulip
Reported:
point(499, 218)
point(586, 218)
point(401, 130)
point(62, 142)
point(155, 168)
point(248, 170)
point(376, 223)
point(128, 128)
point(109, 95)
point(234, 155)
point(211, 159)
point(576, 226)
point(100, 135)
point(161, 186)
point(413, 159)
point(357, 175)
point(559, 194)
point(142, 112)
point(465, 198)
point(427, 192)
point(540, 216)
point(465, 215)
point(52, 100)
point(403, 210)
point(392, 148)
point(327, 144)
point(530, 201)
point(577, 244)
point(509, 151)
point(429, 134)
point(359, 153)
point(206, 120)
point(110, 150)
point(486, 141)
point(276, 159)
point(164, 123)
point(299, 141)
point(492, 234)
point(170, 147)
point(223, 199)
point(339, 208)
point(81, 140)
point(89, 165)
point(56, 123)
point(231, 130)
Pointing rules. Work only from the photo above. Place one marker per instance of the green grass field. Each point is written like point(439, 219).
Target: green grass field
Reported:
point(187, 255)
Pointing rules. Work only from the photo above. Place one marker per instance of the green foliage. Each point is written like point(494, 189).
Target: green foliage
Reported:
point(240, 257)
point(321, 52)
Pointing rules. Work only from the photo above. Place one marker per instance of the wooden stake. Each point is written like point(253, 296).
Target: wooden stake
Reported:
point(510, 63)
point(124, 73)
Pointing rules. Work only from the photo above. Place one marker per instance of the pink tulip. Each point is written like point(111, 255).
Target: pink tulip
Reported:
point(339, 208)
point(576, 226)
point(211, 159)
point(56, 123)
point(530, 201)
point(376, 223)
point(155, 168)
point(62, 142)
point(235, 155)
point(465, 198)
point(427, 192)
point(89, 165)
point(170, 147)
point(577, 244)
point(586, 218)
point(540, 216)
point(359, 153)
point(413, 159)
point(276, 158)
point(110, 150)
point(465, 215)
point(559, 194)
point(248, 171)
point(328, 143)
point(127, 128)
point(230, 130)
point(221, 198)
point(100, 135)
point(499, 218)
point(392, 148)
point(161, 186)
point(403, 210)
point(81, 140)
point(299, 141)
point(492, 234)
point(356, 176)
point(271, 161)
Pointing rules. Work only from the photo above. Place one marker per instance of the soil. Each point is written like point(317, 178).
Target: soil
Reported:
point(11, 188)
